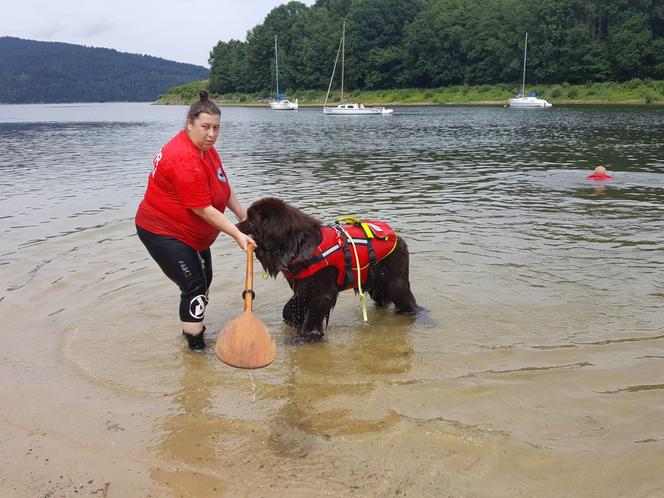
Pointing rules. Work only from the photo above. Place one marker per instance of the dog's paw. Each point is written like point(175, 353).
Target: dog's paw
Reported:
point(313, 336)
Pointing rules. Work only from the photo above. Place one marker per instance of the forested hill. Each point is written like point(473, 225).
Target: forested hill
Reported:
point(433, 43)
point(34, 71)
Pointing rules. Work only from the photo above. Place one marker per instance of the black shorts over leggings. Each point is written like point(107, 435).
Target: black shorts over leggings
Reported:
point(190, 269)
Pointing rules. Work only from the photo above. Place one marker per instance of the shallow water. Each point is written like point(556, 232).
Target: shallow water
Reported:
point(537, 371)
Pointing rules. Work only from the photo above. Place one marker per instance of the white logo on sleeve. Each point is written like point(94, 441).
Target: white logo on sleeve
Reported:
point(155, 163)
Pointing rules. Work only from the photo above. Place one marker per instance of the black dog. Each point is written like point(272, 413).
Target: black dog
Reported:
point(289, 241)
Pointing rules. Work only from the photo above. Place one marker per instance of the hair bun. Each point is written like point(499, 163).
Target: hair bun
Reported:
point(204, 95)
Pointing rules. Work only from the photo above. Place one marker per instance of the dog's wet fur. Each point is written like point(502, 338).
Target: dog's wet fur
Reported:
point(285, 234)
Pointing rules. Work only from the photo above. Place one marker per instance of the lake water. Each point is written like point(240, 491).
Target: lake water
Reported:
point(538, 369)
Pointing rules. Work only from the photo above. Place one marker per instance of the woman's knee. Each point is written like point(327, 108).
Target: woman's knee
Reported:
point(193, 301)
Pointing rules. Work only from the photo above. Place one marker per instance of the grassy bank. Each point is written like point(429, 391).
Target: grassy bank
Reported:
point(634, 91)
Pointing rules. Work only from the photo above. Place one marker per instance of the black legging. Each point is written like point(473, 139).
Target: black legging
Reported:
point(190, 269)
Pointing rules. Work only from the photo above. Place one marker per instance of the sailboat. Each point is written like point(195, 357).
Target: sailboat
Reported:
point(344, 108)
point(530, 101)
point(281, 102)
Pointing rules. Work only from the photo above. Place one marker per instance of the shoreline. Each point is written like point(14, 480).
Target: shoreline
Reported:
point(488, 103)
point(633, 92)
point(258, 104)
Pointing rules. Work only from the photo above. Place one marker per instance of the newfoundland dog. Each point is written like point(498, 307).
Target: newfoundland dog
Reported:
point(319, 261)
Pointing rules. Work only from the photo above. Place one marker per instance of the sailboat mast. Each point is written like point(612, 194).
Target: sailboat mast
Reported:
point(334, 68)
point(525, 51)
point(343, 51)
point(276, 63)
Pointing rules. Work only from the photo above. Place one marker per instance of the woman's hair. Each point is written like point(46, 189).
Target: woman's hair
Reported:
point(204, 105)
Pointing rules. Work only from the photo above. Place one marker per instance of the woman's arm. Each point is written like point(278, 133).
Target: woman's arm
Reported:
point(235, 206)
point(218, 220)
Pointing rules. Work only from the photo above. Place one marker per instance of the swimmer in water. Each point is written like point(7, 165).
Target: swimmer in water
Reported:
point(599, 174)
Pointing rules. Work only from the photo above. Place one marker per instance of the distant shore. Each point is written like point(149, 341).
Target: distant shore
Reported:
point(224, 102)
point(633, 92)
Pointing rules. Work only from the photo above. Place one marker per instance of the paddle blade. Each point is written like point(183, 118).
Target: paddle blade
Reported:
point(246, 343)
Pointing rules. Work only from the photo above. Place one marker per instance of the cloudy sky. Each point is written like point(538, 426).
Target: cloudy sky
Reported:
point(179, 30)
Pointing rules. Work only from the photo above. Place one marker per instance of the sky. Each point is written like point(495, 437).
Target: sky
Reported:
point(179, 30)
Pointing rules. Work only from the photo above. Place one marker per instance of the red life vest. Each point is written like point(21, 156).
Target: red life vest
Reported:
point(595, 176)
point(336, 250)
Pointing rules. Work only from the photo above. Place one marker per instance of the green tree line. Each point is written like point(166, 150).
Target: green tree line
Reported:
point(393, 44)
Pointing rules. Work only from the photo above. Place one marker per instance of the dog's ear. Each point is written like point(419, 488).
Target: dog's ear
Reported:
point(256, 213)
point(278, 246)
point(284, 234)
point(260, 211)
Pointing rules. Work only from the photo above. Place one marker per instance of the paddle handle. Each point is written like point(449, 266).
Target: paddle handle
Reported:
point(248, 293)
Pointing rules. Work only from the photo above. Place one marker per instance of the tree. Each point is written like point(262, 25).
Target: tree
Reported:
point(374, 41)
point(430, 43)
point(228, 67)
point(260, 44)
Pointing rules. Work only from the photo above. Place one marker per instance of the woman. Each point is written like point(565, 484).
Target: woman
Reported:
point(182, 213)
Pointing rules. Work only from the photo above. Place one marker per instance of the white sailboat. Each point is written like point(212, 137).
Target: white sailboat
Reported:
point(530, 101)
point(343, 108)
point(280, 103)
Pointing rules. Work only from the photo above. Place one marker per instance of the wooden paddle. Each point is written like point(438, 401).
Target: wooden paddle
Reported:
point(245, 342)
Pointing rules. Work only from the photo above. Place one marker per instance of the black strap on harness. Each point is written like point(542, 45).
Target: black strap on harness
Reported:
point(348, 275)
point(303, 265)
point(372, 253)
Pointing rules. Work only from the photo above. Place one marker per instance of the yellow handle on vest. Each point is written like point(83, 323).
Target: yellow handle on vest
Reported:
point(348, 219)
point(354, 221)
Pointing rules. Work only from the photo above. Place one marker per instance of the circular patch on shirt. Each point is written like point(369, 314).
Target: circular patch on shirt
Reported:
point(220, 175)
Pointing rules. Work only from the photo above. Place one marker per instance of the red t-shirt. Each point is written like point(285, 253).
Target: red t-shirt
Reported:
point(596, 176)
point(181, 180)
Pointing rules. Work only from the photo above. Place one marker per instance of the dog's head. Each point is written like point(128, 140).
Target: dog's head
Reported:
point(284, 234)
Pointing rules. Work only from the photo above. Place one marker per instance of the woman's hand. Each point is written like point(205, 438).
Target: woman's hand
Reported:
point(218, 220)
point(244, 240)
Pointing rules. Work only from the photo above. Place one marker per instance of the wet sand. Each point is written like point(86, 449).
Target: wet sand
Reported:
point(102, 403)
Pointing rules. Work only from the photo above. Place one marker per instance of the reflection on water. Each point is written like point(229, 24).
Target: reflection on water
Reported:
point(314, 405)
point(542, 345)
point(187, 436)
